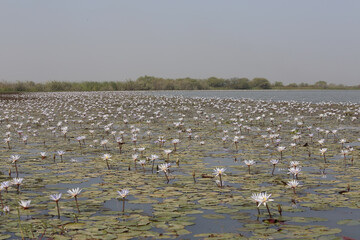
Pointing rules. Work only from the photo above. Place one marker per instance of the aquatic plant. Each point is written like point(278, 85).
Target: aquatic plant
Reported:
point(274, 162)
point(219, 172)
point(14, 159)
point(123, 193)
point(293, 184)
point(281, 149)
point(56, 197)
point(25, 204)
point(107, 157)
point(322, 152)
point(249, 163)
point(61, 154)
point(164, 167)
point(74, 193)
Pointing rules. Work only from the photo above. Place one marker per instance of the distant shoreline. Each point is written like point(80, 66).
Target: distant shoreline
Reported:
point(148, 83)
point(202, 90)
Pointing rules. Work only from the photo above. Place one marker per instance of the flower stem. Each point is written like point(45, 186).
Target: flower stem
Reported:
point(152, 167)
point(58, 210)
point(17, 173)
point(2, 203)
point(167, 177)
point(220, 181)
point(77, 205)
point(268, 210)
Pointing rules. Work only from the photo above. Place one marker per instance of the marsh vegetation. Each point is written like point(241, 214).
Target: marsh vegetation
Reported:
point(110, 165)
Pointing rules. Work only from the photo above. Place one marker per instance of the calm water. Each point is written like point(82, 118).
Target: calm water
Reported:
point(275, 95)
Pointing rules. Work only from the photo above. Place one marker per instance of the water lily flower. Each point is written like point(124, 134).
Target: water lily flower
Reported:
point(123, 193)
point(5, 185)
point(293, 184)
point(142, 163)
point(262, 198)
point(294, 171)
point(294, 163)
point(219, 172)
point(249, 163)
point(322, 152)
point(281, 149)
point(135, 157)
point(274, 162)
point(153, 157)
point(74, 193)
point(18, 182)
point(61, 153)
point(165, 168)
point(56, 197)
point(6, 209)
point(14, 159)
point(25, 138)
point(25, 203)
point(175, 142)
point(167, 152)
point(120, 142)
point(342, 141)
point(7, 141)
point(256, 198)
point(141, 150)
point(321, 142)
point(106, 157)
point(103, 143)
point(43, 155)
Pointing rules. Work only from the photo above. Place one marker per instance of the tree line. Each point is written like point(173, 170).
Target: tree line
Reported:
point(157, 83)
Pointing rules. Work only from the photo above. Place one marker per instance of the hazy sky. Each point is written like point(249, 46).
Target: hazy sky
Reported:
point(281, 40)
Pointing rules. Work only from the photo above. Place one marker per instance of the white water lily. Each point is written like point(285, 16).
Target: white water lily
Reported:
point(25, 203)
point(123, 193)
point(74, 192)
point(56, 197)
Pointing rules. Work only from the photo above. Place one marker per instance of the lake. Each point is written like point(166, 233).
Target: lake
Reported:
point(314, 96)
point(105, 142)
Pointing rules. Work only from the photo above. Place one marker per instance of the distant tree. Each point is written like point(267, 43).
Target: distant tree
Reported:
point(215, 82)
point(321, 84)
point(262, 83)
point(145, 82)
point(303, 85)
point(238, 83)
point(292, 85)
point(20, 86)
point(278, 84)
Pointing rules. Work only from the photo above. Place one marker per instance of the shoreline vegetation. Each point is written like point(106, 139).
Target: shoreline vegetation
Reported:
point(157, 83)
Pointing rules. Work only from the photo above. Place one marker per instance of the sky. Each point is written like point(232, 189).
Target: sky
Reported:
point(281, 40)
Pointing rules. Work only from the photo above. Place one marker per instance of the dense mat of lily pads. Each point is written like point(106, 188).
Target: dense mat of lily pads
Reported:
point(109, 165)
